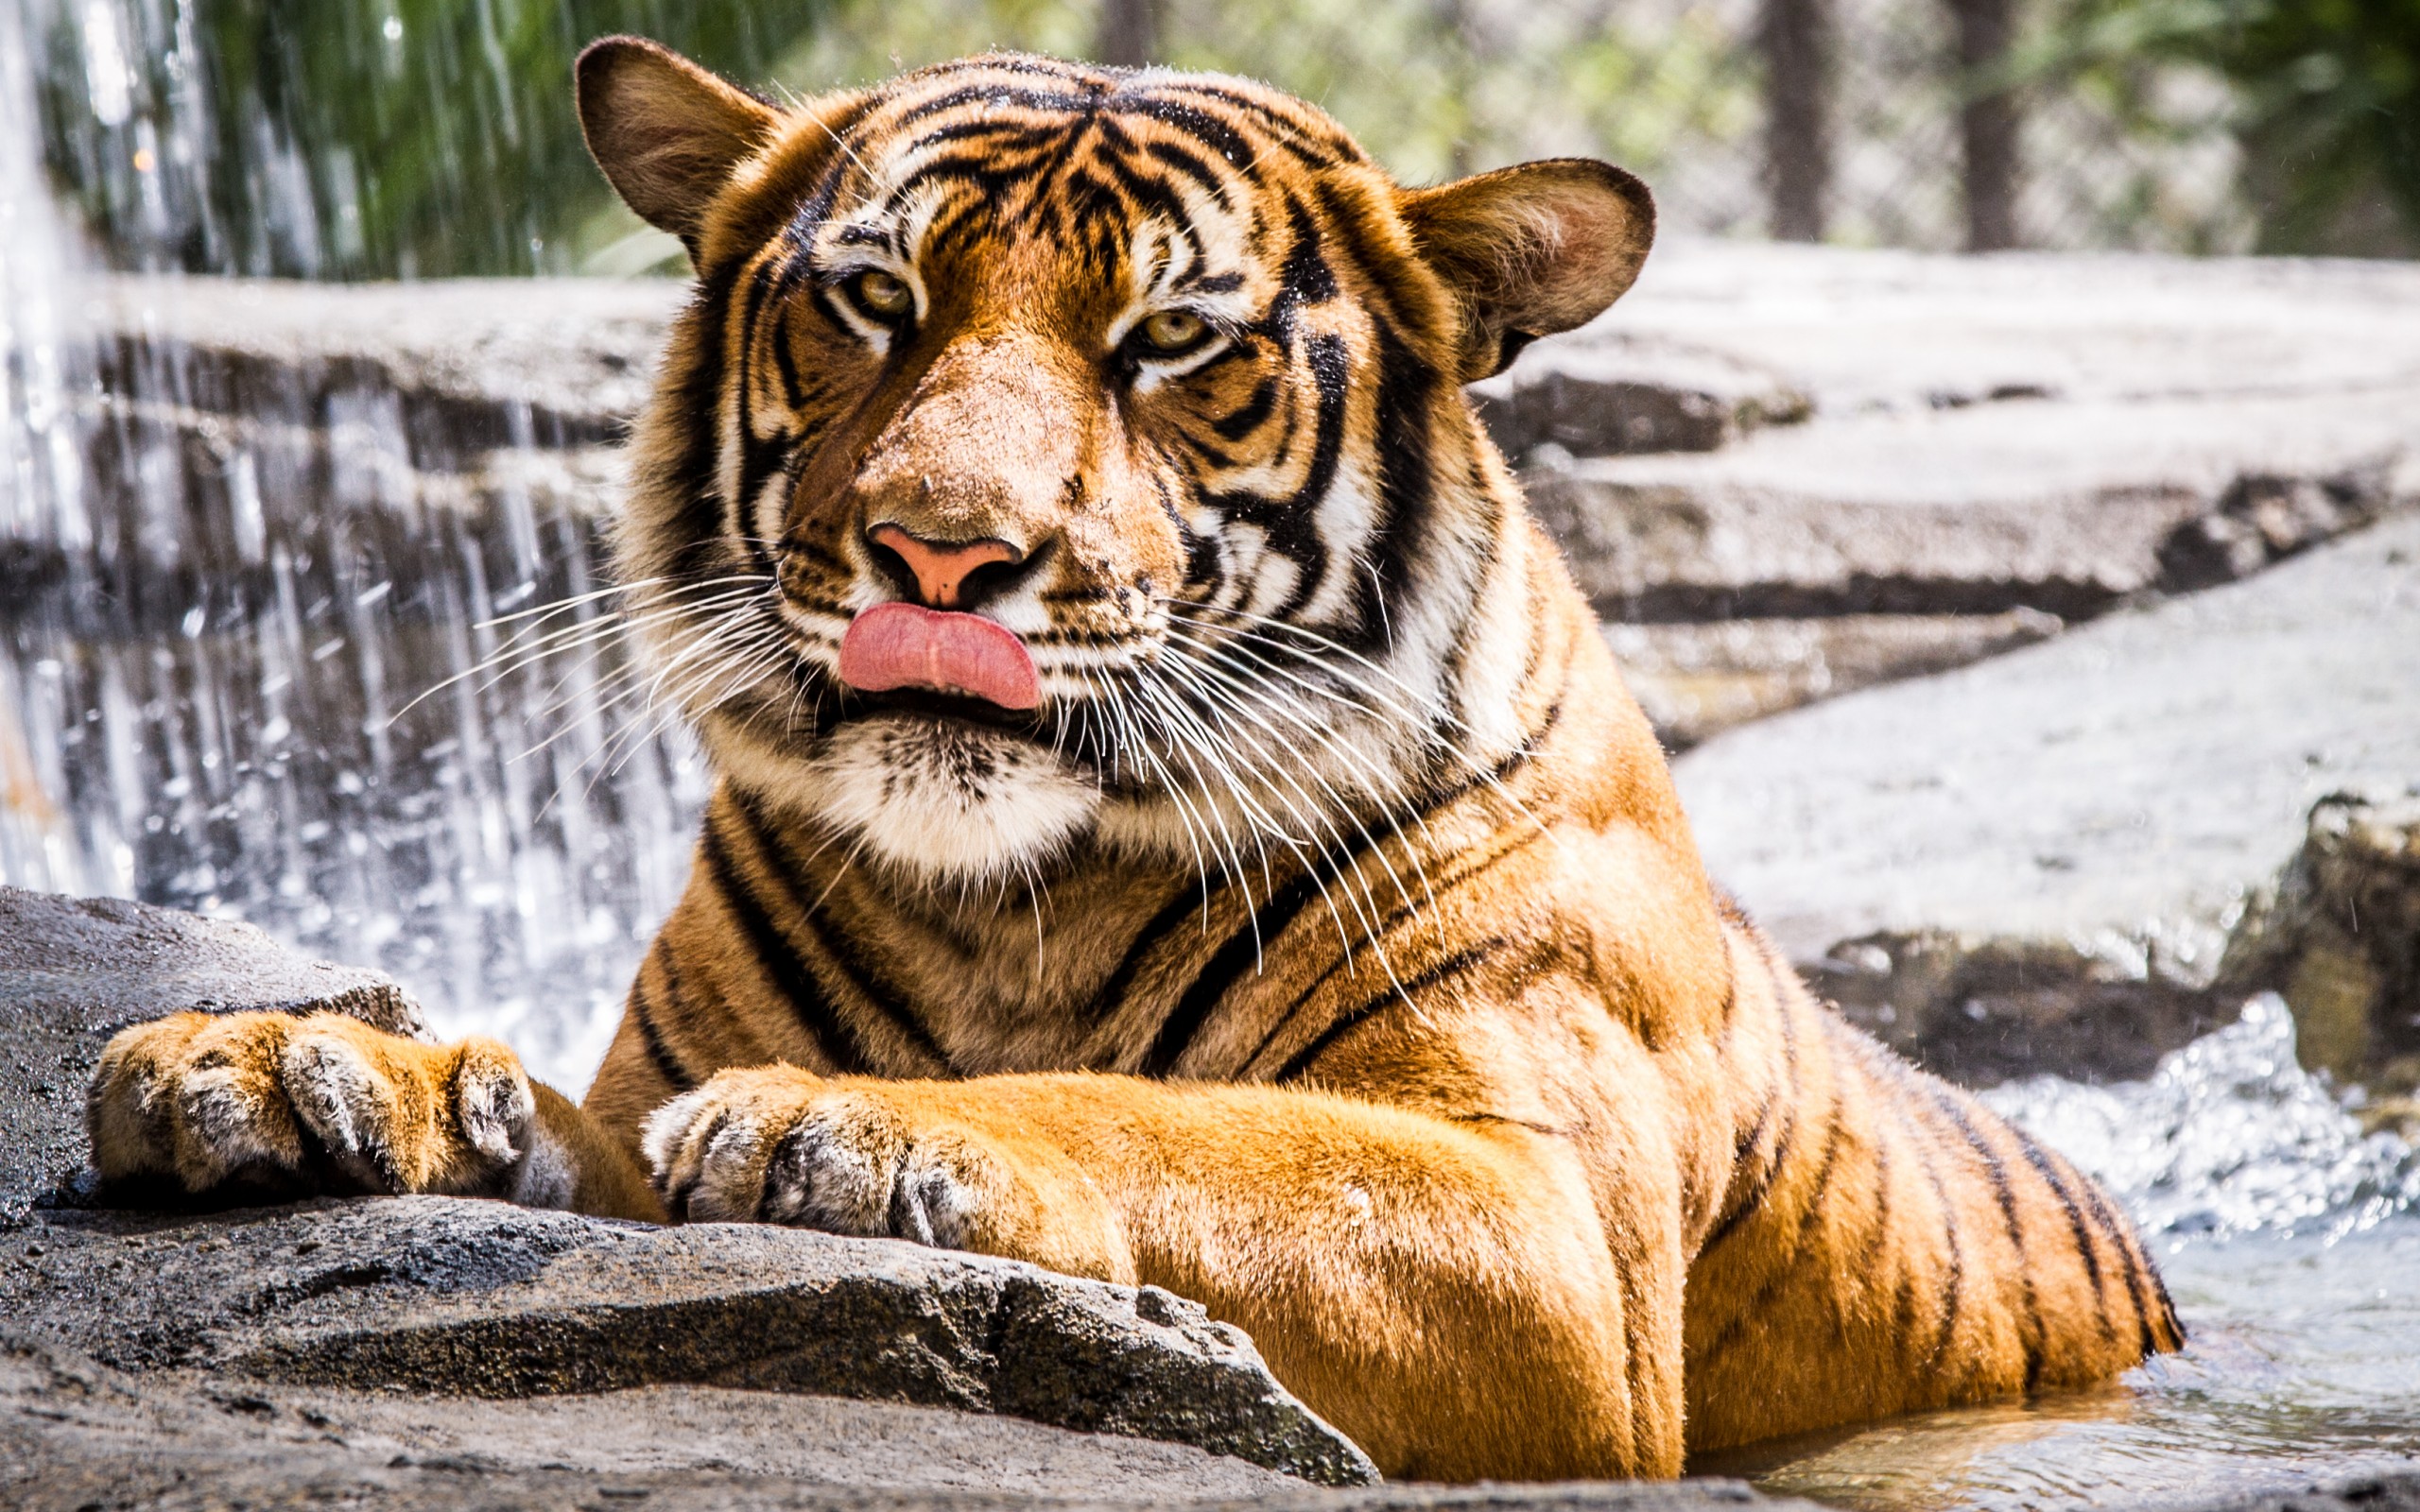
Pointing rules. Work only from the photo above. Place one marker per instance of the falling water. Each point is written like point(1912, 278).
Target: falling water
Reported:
point(224, 581)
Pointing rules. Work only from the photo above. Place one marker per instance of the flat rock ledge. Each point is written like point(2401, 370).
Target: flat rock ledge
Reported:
point(467, 1297)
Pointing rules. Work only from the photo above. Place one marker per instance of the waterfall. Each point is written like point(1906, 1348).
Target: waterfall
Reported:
point(245, 524)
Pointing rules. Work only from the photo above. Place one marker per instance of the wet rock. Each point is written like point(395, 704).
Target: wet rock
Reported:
point(75, 1433)
point(461, 1297)
point(1981, 1010)
point(2368, 1494)
point(2338, 935)
point(2109, 799)
point(459, 368)
point(75, 971)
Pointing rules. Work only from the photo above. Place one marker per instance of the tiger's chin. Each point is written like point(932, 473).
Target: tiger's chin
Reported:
point(936, 799)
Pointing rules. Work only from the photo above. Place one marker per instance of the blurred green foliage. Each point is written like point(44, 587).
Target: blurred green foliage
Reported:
point(2327, 103)
point(348, 138)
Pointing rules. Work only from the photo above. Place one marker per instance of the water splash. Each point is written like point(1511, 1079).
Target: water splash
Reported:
point(2229, 1136)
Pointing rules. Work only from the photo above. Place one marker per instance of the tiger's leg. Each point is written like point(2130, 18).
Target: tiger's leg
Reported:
point(1446, 1293)
point(281, 1105)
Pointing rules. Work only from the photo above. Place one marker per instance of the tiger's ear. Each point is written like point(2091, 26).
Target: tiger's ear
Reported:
point(1531, 250)
point(667, 132)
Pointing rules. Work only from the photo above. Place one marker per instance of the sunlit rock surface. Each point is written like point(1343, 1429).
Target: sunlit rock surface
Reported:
point(2098, 807)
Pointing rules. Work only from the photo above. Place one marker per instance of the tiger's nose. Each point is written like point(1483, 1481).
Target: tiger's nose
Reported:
point(944, 574)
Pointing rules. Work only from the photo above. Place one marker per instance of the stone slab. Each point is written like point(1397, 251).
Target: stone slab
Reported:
point(2064, 508)
point(2117, 792)
point(466, 1298)
point(76, 1434)
point(1696, 679)
point(1853, 329)
point(75, 971)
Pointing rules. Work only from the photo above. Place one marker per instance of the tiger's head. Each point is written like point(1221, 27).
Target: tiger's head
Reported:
point(1056, 456)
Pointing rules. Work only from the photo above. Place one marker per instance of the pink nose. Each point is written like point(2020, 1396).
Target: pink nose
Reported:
point(940, 568)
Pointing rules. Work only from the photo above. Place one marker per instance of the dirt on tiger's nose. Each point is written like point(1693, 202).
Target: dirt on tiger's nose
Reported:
point(907, 645)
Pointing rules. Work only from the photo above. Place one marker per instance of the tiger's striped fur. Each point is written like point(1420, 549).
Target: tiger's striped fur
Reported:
point(1329, 944)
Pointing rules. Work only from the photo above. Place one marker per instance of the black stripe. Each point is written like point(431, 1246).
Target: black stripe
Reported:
point(1345, 1024)
point(1240, 951)
point(1953, 1292)
point(1997, 1172)
point(1788, 1095)
point(1186, 161)
point(1406, 388)
point(1786, 1271)
point(2076, 1228)
point(833, 1038)
point(2132, 1261)
point(659, 1054)
point(838, 945)
point(1245, 418)
point(1187, 901)
point(1201, 124)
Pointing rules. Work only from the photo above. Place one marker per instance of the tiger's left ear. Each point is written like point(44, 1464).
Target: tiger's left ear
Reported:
point(1531, 250)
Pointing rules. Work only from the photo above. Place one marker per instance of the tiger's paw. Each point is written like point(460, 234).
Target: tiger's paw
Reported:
point(777, 1144)
point(280, 1106)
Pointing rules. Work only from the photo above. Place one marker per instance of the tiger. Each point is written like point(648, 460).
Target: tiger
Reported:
point(1177, 822)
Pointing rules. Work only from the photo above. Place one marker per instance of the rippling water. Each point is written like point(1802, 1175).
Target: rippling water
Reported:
point(2292, 1247)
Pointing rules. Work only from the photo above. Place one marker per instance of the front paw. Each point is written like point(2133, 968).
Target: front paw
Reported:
point(776, 1145)
point(272, 1104)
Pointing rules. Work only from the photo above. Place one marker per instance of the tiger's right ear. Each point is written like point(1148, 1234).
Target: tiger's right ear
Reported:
point(1531, 250)
point(667, 132)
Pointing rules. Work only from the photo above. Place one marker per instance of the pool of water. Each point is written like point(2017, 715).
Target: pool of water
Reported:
point(2291, 1245)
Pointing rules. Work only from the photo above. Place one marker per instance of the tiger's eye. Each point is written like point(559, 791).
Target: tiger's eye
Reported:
point(1172, 331)
point(883, 294)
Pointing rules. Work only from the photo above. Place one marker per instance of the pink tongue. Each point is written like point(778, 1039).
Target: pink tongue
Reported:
point(907, 645)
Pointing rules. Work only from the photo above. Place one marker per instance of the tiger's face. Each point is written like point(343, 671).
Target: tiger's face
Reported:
point(1056, 456)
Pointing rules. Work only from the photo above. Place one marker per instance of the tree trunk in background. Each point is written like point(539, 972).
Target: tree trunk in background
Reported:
point(1988, 123)
point(1130, 32)
point(1795, 37)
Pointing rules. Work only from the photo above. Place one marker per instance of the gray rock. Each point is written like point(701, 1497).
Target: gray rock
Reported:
point(2338, 935)
point(2115, 795)
point(458, 1296)
point(1855, 329)
point(75, 1433)
point(1614, 392)
point(75, 970)
point(2067, 509)
point(1698, 680)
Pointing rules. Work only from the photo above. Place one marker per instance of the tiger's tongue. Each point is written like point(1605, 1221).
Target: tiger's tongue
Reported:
point(907, 645)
